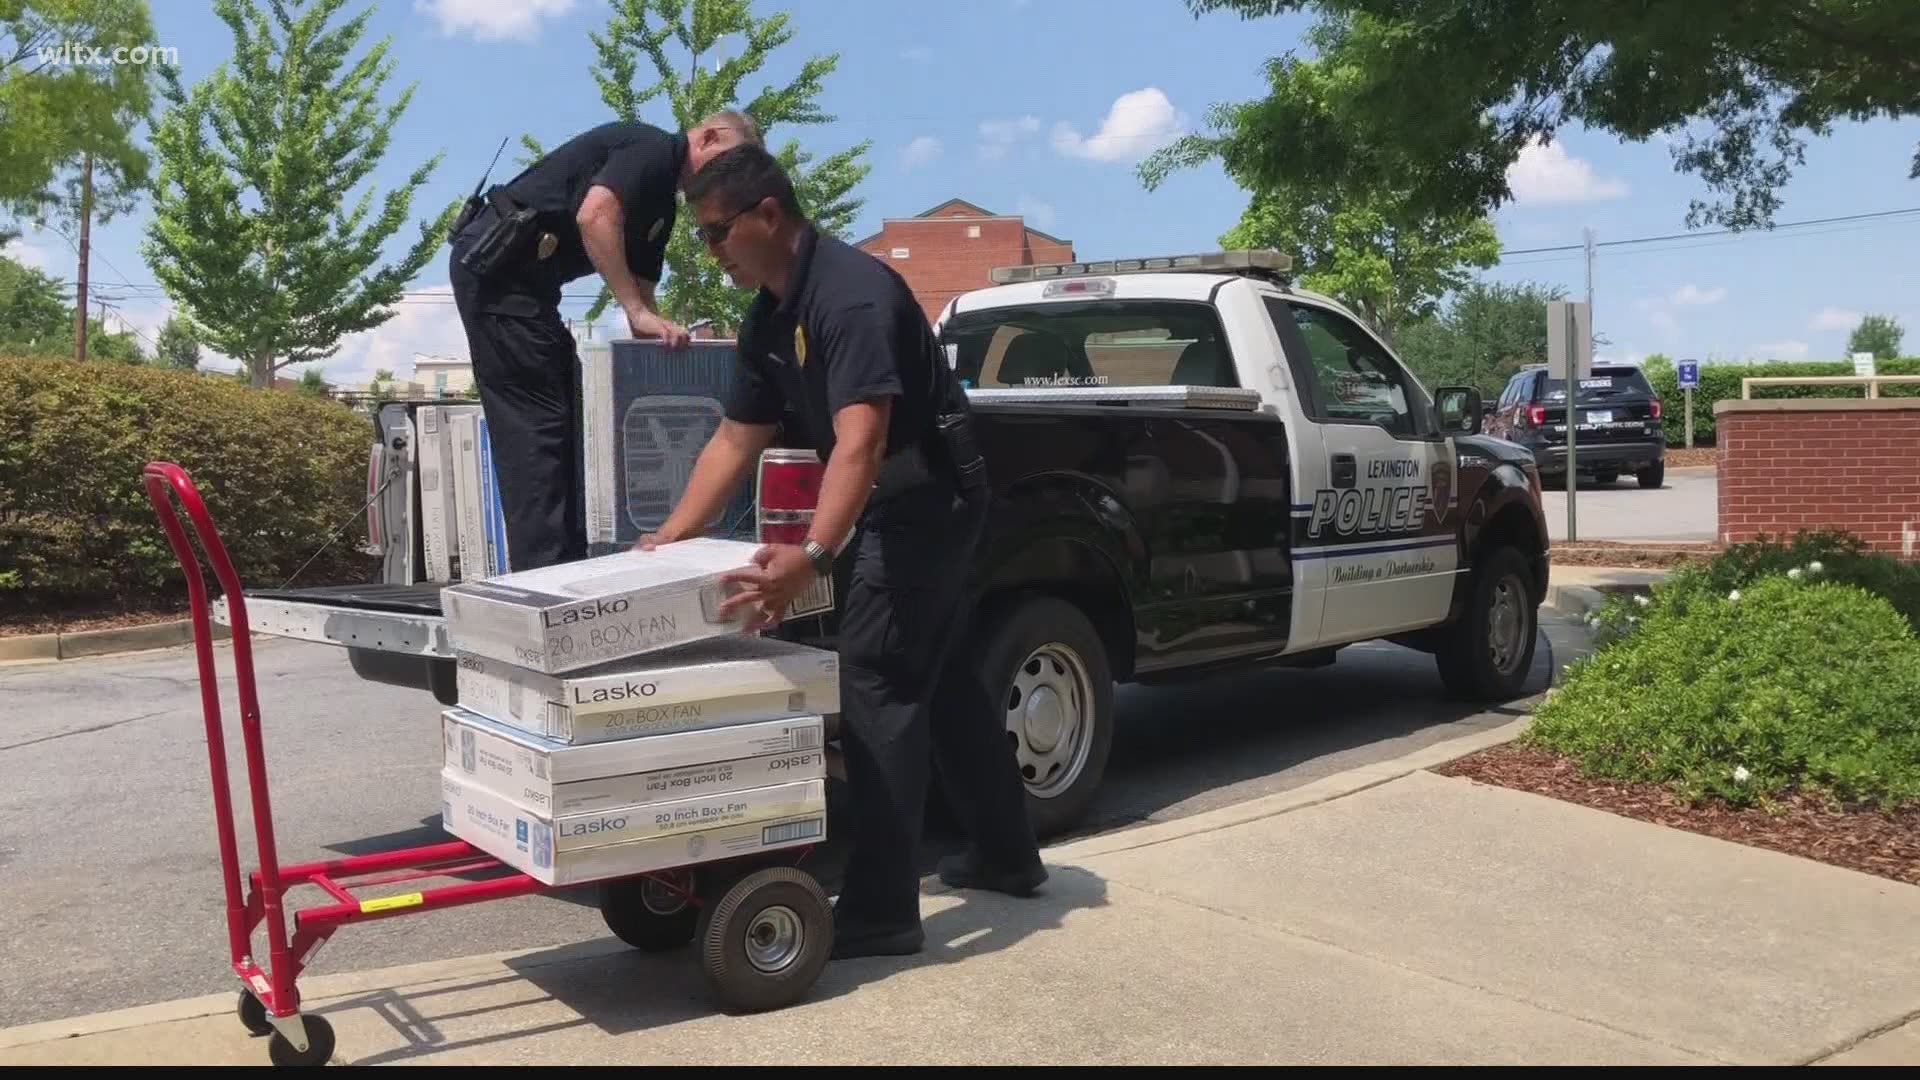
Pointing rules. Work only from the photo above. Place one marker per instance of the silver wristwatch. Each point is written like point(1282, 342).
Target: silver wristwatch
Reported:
point(821, 557)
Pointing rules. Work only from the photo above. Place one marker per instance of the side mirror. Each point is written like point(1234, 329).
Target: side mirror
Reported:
point(1457, 410)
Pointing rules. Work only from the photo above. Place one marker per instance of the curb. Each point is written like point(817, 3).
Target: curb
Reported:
point(1575, 601)
point(317, 991)
point(74, 644)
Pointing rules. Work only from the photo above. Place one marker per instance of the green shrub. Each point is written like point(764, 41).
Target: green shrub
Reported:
point(278, 470)
point(1721, 382)
point(1782, 685)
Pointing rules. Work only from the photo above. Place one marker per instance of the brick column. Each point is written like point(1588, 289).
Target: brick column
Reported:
point(1814, 463)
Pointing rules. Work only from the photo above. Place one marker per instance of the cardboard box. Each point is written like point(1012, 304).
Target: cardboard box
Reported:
point(528, 842)
point(720, 681)
point(439, 528)
point(593, 611)
point(554, 778)
point(473, 542)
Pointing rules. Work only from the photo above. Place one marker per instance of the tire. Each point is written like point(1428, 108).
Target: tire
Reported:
point(1486, 656)
point(764, 943)
point(1043, 660)
point(648, 915)
point(1653, 476)
point(319, 1045)
point(253, 1014)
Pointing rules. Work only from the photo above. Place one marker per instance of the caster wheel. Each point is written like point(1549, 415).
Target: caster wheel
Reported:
point(253, 1014)
point(319, 1044)
point(766, 940)
point(649, 914)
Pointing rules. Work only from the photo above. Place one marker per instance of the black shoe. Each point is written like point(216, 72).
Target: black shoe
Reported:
point(852, 942)
point(969, 872)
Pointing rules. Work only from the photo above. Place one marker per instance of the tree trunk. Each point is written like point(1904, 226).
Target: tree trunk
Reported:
point(262, 369)
point(86, 240)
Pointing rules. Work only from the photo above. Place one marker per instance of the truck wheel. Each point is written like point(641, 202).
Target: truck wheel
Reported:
point(1048, 668)
point(1653, 475)
point(1488, 654)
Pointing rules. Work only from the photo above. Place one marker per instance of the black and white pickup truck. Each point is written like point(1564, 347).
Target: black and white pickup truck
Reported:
point(1196, 467)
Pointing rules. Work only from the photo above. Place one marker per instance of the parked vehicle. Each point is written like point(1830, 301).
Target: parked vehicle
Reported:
point(1196, 467)
point(1620, 426)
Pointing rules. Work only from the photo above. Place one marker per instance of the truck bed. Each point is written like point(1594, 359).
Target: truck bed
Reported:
point(404, 619)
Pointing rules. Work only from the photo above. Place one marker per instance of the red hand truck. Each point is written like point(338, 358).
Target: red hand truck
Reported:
point(764, 940)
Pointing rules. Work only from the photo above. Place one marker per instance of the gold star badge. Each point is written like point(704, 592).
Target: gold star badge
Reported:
point(800, 346)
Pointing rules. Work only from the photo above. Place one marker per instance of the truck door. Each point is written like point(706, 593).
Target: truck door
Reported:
point(1381, 523)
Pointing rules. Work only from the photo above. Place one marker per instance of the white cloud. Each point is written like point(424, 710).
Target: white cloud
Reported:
point(1040, 214)
point(493, 20)
point(1783, 350)
point(920, 151)
point(425, 321)
point(919, 54)
point(31, 252)
point(1140, 122)
point(1691, 295)
point(1546, 174)
point(998, 136)
point(1836, 318)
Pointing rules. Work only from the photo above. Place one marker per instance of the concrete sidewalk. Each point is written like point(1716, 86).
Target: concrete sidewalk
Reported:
point(1388, 915)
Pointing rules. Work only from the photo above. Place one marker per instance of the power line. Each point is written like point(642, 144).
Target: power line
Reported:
point(1717, 232)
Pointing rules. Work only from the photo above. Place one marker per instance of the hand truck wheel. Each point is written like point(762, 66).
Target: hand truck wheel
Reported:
point(649, 914)
point(253, 1014)
point(319, 1044)
point(765, 941)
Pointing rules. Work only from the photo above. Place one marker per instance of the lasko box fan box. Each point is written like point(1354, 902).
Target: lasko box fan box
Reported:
point(649, 411)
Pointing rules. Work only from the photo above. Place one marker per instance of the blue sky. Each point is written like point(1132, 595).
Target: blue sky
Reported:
point(1042, 107)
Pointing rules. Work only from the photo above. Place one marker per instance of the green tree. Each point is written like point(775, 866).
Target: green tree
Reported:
point(178, 346)
point(1439, 97)
point(1390, 266)
point(252, 235)
point(34, 317)
point(696, 288)
point(1485, 334)
point(1879, 335)
point(312, 383)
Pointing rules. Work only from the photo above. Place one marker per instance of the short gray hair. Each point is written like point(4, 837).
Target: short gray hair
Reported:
point(738, 121)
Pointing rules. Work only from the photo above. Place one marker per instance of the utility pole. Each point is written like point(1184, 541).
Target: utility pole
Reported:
point(86, 236)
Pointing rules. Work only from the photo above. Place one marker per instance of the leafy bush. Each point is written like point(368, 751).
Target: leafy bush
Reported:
point(1721, 382)
point(279, 472)
point(1784, 685)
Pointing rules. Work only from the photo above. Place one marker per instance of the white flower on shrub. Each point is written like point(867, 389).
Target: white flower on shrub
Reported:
point(1814, 567)
point(1741, 775)
point(1641, 600)
point(1734, 596)
point(1794, 574)
point(1593, 621)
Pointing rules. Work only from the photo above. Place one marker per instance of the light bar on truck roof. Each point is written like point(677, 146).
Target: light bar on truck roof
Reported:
point(1213, 261)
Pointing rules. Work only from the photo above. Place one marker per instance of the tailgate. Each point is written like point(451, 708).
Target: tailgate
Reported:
point(403, 619)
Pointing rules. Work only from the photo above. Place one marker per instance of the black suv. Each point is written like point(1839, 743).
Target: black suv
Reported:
point(1620, 426)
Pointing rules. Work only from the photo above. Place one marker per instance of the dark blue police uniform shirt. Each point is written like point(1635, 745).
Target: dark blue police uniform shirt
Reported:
point(849, 330)
point(639, 162)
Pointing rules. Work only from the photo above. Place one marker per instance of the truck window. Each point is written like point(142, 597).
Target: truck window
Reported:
point(1091, 343)
point(1604, 382)
point(1354, 380)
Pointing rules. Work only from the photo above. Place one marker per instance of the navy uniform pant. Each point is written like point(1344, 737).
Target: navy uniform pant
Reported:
point(525, 368)
point(910, 698)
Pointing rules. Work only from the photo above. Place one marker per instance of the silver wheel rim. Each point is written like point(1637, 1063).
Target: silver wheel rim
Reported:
point(659, 898)
point(1049, 719)
point(1506, 624)
point(774, 938)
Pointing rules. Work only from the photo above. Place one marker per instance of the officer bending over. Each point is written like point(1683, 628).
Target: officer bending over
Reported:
point(836, 337)
point(605, 201)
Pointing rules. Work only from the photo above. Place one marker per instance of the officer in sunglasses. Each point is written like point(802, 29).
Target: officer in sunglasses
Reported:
point(603, 201)
point(836, 340)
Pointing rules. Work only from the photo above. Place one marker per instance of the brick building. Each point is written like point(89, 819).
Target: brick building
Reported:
point(949, 249)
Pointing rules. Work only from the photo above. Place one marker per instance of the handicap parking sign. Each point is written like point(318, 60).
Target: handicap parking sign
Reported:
point(1689, 374)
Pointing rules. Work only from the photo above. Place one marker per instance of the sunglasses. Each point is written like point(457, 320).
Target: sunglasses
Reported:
point(716, 233)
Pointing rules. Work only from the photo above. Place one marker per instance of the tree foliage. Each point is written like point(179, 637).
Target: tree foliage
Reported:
point(56, 107)
point(252, 233)
point(1879, 335)
point(640, 32)
point(1437, 98)
point(1389, 266)
point(178, 346)
point(1485, 334)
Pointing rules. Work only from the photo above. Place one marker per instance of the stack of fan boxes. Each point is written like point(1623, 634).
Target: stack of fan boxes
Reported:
point(611, 722)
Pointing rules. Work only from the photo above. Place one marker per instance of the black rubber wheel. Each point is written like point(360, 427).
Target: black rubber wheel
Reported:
point(649, 915)
point(1487, 655)
point(1653, 475)
point(1042, 660)
point(764, 943)
point(253, 1014)
point(319, 1044)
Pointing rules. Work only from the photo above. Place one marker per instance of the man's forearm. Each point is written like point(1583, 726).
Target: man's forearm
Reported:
point(716, 474)
point(845, 488)
point(606, 246)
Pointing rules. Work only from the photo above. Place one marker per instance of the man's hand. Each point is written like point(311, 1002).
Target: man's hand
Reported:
point(781, 572)
point(652, 540)
point(646, 324)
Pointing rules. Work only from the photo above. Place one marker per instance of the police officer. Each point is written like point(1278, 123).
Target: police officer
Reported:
point(605, 201)
point(835, 340)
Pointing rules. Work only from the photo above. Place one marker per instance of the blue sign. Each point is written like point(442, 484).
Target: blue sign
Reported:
point(1689, 374)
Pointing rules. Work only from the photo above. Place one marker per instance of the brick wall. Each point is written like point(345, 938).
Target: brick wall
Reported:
point(1793, 464)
